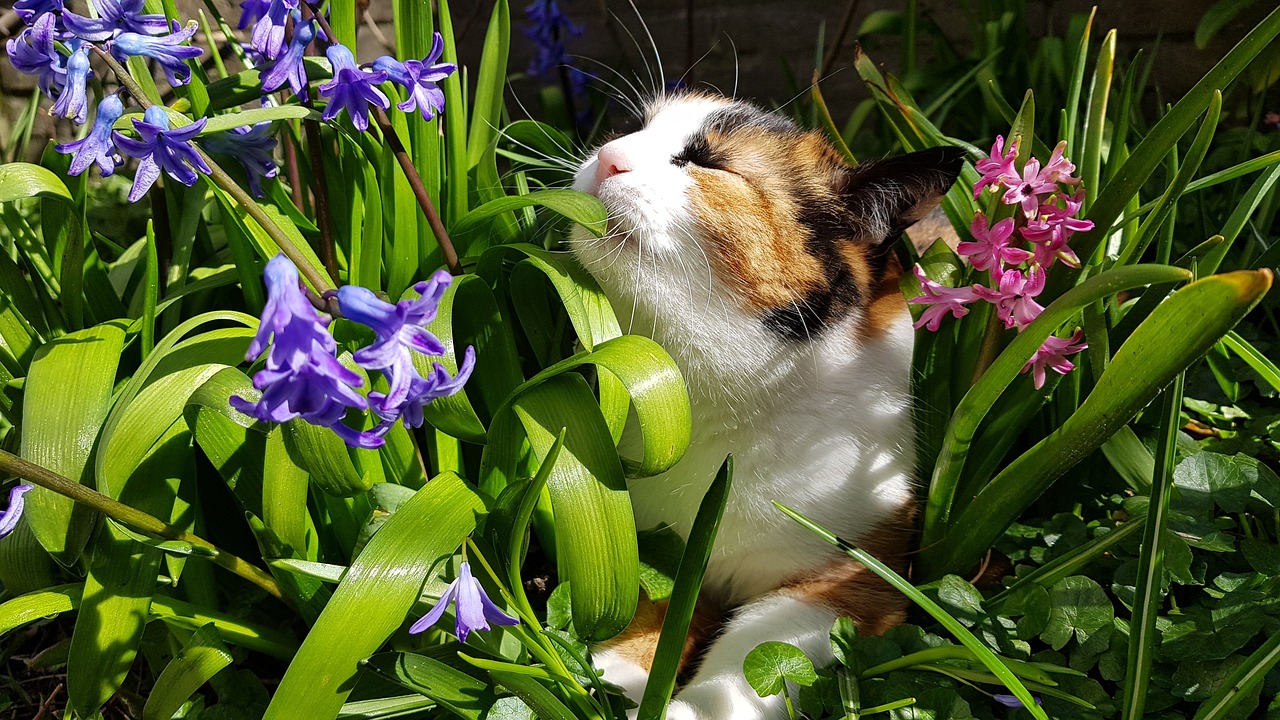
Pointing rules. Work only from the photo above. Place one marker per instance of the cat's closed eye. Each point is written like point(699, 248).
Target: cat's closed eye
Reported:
point(699, 152)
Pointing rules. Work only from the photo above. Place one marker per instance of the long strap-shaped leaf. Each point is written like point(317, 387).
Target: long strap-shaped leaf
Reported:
point(202, 657)
point(1155, 146)
point(973, 408)
point(1196, 317)
point(693, 566)
point(375, 595)
point(959, 631)
point(1146, 604)
point(66, 397)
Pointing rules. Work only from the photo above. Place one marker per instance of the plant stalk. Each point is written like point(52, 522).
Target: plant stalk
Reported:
point(134, 518)
point(410, 173)
point(419, 190)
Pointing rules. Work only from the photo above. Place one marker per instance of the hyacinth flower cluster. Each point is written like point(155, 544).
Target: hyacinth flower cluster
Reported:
point(303, 378)
point(282, 35)
point(57, 44)
point(547, 26)
point(1038, 206)
point(56, 47)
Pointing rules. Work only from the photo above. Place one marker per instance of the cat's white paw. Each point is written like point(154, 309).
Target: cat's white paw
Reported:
point(725, 700)
point(623, 672)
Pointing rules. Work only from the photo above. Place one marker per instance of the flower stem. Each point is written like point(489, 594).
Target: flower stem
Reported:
point(410, 172)
point(229, 185)
point(328, 253)
point(134, 518)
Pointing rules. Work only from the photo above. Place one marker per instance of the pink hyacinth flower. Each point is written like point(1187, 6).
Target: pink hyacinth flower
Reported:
point(992, 248)
point(1051, 230)
point(1059, 168)
point(997, 169)
point(1053, 354)
point(1014, 301)
point(941, 300)
point(1026, 190)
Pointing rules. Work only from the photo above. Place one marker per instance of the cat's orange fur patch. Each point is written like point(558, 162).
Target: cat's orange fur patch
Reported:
point(752, 216)
point(886, 308)
point(639, 641)
point(851, 590)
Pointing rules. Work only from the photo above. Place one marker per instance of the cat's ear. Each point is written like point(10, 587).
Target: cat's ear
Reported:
point(885, 196)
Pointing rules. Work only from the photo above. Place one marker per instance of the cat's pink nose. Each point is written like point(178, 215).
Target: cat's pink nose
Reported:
point(611, 160)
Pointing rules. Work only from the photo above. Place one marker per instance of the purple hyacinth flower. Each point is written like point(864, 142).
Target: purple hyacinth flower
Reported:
point(288, 68)
point(250, 11)
point(547, 27)
point(1012, 701)
point(170, 51)
point(474, 609)
point(302, 378)
point(96, 147)
point(420, 78)
point(73, 103)
point(401, 330)
point(161, 148)
point(29, 10)
point(352, 89)
point(252, 146)
point(115, 16)
point(268, 33)
point(10, 517)
point(33, 52)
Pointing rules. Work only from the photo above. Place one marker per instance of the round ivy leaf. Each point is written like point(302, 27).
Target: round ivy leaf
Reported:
point(772, 663)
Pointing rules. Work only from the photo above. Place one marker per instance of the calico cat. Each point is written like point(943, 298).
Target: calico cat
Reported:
point(763, 263)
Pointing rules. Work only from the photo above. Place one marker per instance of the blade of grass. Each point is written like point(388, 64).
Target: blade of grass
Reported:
point(960, 632)
point(1143, 640)
point(1236, 687)
point(684, 596)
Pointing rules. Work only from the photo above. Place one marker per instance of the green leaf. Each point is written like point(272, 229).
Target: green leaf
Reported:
point(1208, 478)
point(497, 371)
point(660, 400)
point(771, 664)
point(579, 207)
point(535, 695)
point(1216, 17)
point(1144, 159)
point(201, 657)
point(595, 530)
point(1242, 681)
point(1255, 359)
point(24, 180)
point(1198, 315)
point(378, 591)
point(38, 605)
point(66, 397)
point(144, 455)
point(490, 83)
point(323, 455)
point(462, 693)
point(1080, 609)
point(1148, 590)
point(684, 596)
point(230, 121)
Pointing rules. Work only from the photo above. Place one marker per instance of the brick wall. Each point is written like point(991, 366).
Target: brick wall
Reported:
point(751, 42)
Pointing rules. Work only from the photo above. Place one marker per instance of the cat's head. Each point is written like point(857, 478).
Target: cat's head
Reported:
point(715, 202)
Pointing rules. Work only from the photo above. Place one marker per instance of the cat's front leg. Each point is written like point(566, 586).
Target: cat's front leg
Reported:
point(719, 689)
point(801, 614)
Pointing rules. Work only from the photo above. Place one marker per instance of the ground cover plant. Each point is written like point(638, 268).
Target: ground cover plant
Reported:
point(321, 424)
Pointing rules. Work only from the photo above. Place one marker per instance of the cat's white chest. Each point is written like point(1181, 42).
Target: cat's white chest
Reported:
point(825, 429)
